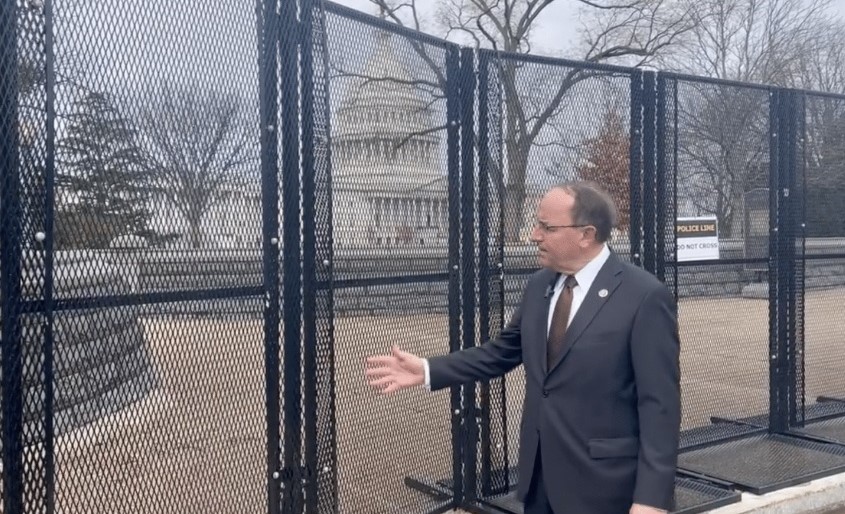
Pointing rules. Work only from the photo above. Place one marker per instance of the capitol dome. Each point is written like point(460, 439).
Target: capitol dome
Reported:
point(388, 180)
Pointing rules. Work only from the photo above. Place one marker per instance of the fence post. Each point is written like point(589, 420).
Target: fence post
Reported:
point(674, 165)
point(320, 466)
point(49, 203)
point(292, 263)
point(10, 265)
point(775, 119)
point(781, 260)
point(453, 116)
point(268, 35)
point(660, 179)
point(494, 457)
point(798, 268)
point(649, 150)
point(467, 103)
point(484, 265)
point(789, 357)
point(636, 167)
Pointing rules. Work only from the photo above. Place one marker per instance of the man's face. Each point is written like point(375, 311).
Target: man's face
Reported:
point(561, 244)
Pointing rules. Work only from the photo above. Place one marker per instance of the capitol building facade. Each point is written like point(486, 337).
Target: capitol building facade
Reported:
point(389, 184)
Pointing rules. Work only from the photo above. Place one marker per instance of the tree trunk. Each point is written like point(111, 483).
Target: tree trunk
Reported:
point(517, 148)
point(734, 222)
point(515, 191)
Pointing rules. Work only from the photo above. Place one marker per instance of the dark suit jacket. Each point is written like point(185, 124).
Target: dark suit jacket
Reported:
point(606, 415)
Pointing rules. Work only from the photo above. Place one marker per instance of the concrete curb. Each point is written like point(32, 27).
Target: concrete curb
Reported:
point(814, 497)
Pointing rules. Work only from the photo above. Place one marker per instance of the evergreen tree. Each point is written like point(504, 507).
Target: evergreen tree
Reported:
point(103, 178)
point(607, 163)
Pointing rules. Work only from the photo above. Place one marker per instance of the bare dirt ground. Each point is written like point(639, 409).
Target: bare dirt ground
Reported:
point(198, 443)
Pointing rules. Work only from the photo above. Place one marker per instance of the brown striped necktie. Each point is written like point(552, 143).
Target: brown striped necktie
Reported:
point(560, 319)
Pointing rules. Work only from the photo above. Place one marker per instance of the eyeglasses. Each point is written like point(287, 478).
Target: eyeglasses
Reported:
point(551, 228)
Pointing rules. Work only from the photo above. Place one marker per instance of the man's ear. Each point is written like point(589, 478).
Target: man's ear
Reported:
point(589, 234)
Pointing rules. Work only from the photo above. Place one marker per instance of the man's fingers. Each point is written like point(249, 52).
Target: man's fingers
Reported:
point(399, 354)
point(377, 372)
point(381, 361)
point(382, 381)
point(383, 372)
point(386, 385)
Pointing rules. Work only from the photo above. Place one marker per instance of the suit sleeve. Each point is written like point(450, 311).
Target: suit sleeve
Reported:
point(492, 359)
point(655, 354)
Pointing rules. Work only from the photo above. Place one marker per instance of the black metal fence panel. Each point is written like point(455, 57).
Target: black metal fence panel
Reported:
point(133, 310)
point(393, 101)
point(819, 178)
point(715, 154)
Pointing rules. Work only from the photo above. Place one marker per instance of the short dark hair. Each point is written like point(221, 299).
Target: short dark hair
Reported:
point(593, 206)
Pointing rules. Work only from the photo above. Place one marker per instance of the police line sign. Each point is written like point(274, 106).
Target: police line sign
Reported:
point(698, 238)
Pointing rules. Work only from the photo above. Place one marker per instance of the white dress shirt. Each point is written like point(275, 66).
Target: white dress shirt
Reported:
point(585, 278)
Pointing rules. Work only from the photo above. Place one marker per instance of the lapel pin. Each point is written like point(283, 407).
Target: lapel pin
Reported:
point(603, 293)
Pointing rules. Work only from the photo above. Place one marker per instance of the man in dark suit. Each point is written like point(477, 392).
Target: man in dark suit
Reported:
point(599, 341)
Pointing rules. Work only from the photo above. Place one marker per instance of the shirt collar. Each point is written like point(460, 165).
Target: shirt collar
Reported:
point(586, 275)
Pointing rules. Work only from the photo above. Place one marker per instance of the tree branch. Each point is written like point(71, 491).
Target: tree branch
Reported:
point(399, 144)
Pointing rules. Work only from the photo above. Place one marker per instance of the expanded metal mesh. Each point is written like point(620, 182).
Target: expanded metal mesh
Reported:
point(822, 327)
point(767, 463)
point(29, 220)
point(716, 155)
point(136, 201)
point(392, 217)
point(823, 179)
point(170, 418)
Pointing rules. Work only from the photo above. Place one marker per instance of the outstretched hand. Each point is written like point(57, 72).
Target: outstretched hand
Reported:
point(394, 372)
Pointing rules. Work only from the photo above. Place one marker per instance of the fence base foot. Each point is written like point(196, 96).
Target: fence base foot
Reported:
point(435, 491)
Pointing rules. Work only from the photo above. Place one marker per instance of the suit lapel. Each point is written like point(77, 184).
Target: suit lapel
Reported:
point(608, 279)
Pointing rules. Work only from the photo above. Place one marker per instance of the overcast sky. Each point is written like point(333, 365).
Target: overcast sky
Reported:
point(557, 28)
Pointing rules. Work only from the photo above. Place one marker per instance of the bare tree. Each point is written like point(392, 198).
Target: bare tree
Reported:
point(723, 129)
point(199, 141)
point(761, 41)
point(822, 66)
point(823, 153)
point(621, 31)
point(723, 149)
point(823, 69)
